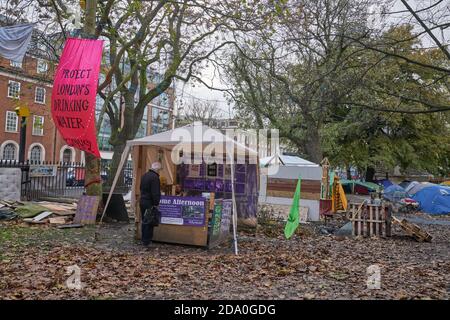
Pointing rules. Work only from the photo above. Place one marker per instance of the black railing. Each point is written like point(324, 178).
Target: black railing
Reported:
point(44, 179)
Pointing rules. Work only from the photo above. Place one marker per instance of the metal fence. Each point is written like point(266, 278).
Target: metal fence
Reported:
point(62, 180)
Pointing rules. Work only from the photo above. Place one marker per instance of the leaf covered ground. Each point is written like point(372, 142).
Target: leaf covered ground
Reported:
point(34, 261)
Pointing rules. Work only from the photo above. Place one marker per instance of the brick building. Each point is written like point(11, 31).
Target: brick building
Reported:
point(30, 84)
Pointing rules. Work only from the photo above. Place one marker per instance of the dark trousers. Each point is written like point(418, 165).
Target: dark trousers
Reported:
point(147, 228)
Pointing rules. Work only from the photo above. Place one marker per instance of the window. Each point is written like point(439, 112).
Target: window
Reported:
point(40, 95)
point(67, 155)
point(160, 116)
point(13, 89)
point(164, 100)
point(12, 121)
point(38, 126)
point(42, 66)
point(15, 64)
point(36, 154)
point(9, 152)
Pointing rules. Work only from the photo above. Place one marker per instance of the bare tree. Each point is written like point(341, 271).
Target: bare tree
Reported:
point(203, 111)
point(149, 45)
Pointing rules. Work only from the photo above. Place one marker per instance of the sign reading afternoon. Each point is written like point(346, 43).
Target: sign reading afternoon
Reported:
point(189, 211)
point(74, 93)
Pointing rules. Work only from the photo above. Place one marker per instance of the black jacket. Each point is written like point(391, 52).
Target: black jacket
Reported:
point(150, 189)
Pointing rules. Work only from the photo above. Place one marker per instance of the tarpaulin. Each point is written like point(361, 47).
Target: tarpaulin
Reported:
point(74, 93)
point(14, 41)
point(434, 199)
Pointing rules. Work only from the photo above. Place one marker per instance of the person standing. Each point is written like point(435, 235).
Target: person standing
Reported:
point(150, 197)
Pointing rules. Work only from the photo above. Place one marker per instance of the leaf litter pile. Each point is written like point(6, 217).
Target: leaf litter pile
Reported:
point(312, 265)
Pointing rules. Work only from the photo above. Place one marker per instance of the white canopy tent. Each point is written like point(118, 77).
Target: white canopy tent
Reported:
point(196, 139)
point(285, 160)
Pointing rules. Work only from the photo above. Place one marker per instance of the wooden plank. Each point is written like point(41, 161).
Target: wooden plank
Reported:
point(42, 216)
point(377, 225)
point(70, 226)
point(387, 219)
point(279, 187)
point(60, 213)
point(353, 221)
point(196, 236)
point(57, 220)
point(290, 194)
point(291, 184)
point(360, 224)
point(30, 220)
point(87, 210)
point(413, 230)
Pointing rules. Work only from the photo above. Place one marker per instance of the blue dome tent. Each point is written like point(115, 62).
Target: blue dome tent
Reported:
point(394, 193)
point(434, 199)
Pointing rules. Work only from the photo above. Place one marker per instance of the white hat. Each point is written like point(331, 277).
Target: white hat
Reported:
point(156, 166)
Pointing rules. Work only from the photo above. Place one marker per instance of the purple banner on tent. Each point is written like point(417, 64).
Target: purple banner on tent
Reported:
point(220, 170)
point(202, 169)
point(227, 186)
point(188, 211)
point(219, 185)
point(210, 185)
point(199, 184)
point(239, 188)
point(188, 183)
point(240, 177)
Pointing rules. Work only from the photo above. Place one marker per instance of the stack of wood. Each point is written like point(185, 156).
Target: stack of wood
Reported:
point(42, 212)
point(370, 220)
point(413, 230)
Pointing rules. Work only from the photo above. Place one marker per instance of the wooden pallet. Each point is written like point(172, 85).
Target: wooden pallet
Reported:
point(369, 220)
point(413, 230)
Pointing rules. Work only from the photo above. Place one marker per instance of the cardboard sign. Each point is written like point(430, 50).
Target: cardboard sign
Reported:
point(227, 210)
point(74, 93)
point(220, 222)
point(86, 210)
point(303, 214)
point(194, 170)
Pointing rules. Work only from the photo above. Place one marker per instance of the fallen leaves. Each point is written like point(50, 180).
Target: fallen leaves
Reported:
point(306, 267)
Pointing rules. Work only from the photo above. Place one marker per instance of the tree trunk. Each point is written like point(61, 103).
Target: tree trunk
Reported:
point(370, 174)
point(120, 135)
point(92, 180)
point(312, 145)
point(117, 155)
point(349, 173)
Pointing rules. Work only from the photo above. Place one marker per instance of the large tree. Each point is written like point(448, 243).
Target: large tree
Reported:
point(393, 119)
point(330, 81)
point(290, 73)
point(149, 45)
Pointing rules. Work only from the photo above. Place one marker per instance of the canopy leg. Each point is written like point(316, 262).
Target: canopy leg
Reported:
point(234, 209)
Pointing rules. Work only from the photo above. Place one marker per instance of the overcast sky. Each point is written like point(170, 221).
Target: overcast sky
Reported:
point(187, 92)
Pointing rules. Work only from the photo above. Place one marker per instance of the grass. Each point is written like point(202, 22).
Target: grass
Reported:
point(42, 236)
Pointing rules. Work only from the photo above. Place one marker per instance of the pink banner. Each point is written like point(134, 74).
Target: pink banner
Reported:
point(74, 93)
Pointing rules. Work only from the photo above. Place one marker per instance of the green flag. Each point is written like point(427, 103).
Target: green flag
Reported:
point(293, 219)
